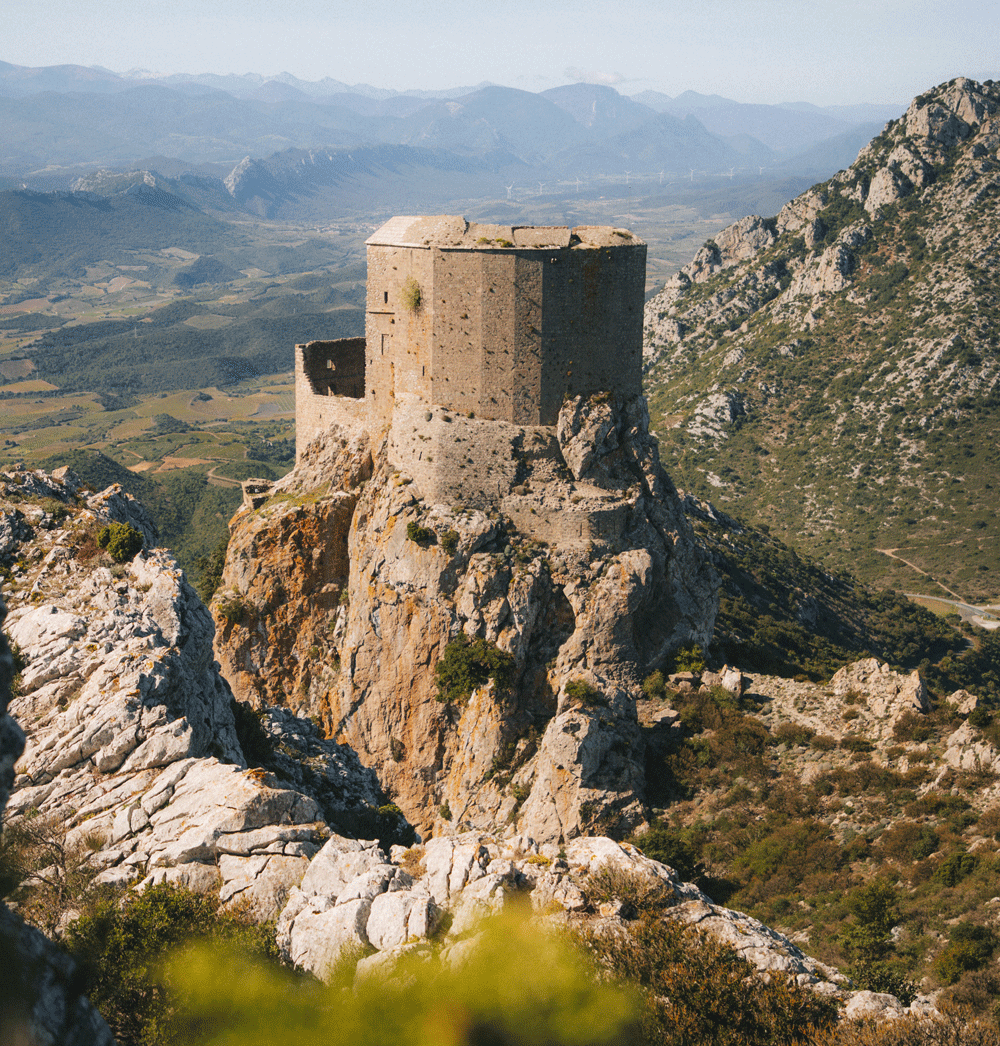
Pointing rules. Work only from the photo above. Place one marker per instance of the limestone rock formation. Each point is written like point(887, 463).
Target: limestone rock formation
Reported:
point(39, 1003)
point(874, 697)
point(357, 898)
point(132, 751)
point(350, 586)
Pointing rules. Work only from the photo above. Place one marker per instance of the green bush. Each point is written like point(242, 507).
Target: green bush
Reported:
point(792, 733)
point(697, 990)
point(955, 868)
point(515, 985)
point(468, 664)
point(971, 947)
point(421, 535)
point(410, 295)
point(874, 907)
point(449, 541)
point(689, 659)
point(669, 846)
point(120, 540)
point(232, 608)
point(121, 945)
point(655, 686)
point(580, 692)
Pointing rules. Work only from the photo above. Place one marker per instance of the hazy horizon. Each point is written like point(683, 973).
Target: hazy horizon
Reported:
point(842, 53)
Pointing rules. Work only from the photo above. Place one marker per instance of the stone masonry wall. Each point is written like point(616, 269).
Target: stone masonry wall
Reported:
point(328, 395)
point(503, 333)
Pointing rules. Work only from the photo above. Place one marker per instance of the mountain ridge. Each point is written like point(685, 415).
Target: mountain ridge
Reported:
point(833, 371)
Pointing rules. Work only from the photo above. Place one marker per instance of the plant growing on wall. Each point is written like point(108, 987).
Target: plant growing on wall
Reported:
point(409, 294)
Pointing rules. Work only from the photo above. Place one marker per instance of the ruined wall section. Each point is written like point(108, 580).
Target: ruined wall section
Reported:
point(329, 387)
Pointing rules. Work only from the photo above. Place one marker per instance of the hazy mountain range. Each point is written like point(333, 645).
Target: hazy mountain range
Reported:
point(58, 122)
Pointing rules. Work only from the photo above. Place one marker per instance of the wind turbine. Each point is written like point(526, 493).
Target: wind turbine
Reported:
point(731, 169)
point(661, 177)
point(509, 187)
point(692, 174)
point(627, 173)
point(578, 183)
point(541, 185)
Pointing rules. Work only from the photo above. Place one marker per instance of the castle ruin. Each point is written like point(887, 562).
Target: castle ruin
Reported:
point(475, 336)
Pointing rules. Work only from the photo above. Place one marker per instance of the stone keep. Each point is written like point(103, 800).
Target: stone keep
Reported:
point(495, 323)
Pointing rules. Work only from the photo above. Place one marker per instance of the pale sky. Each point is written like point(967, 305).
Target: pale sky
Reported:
point(823, 51)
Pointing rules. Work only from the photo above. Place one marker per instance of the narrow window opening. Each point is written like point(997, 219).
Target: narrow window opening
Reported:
point(385, 297)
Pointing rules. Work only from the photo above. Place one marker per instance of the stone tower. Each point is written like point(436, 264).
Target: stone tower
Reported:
point(490, 326)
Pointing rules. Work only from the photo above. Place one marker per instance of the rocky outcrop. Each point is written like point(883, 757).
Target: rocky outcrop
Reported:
point(40, 1002)
point(132, 755)
point(865, 698)
point(356, 899)
point(375, 583)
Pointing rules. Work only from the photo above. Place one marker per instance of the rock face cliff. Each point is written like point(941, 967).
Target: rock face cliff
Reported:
point(43, 1006)
point(834, 368)
point(133, 757)
point(345, 588)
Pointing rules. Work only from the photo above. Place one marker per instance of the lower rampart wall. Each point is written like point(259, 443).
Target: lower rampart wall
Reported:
point(317, 406)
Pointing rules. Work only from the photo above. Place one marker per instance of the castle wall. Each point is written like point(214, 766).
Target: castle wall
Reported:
point(503, 332)
point(329, 387)
point(398, 337)
point(591, 335)
point(511, 321)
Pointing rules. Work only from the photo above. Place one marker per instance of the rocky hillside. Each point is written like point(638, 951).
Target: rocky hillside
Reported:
point(135, 756)
point(833, 371)
point(487, 678)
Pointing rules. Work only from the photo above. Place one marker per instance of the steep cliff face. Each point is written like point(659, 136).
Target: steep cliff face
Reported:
point(132, 760)
point(377, 584)
point(39, 999)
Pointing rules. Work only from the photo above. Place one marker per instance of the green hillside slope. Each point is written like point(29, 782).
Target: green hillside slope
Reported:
point(833, 372)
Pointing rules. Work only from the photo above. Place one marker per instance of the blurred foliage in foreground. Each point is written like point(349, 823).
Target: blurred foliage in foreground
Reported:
point(519, 983)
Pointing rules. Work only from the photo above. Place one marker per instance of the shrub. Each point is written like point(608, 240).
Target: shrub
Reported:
point(792, 733)
point(638, 893)
point(120, 540)
point(120, 946)
point(912, 727)
point(421, 535)
point(689, 659)
point(449, 541)
point(655, 686)
point(445, 811)
point(470, 663)
point(909, 841)
point(875, 911)
point(409, 294)
point(823, 742)
point(855, 743)
point(580, 692)
point(232, 609)
point(971, 947)
point(514, 985)
point(669, 846)
point(698, 990)
point(956, 867)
